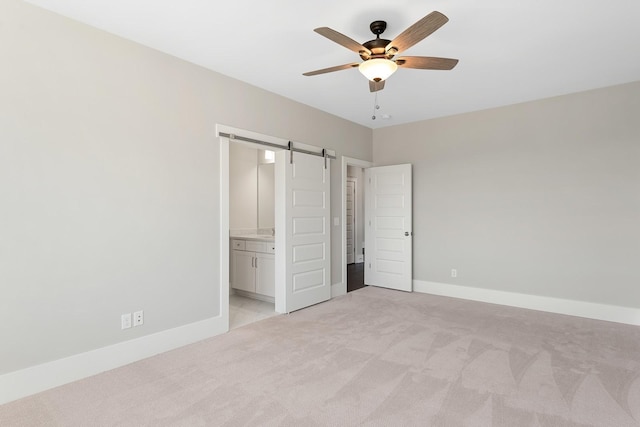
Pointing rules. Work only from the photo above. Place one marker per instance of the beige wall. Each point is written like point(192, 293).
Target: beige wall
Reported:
point(109, 183)
point(541, 198)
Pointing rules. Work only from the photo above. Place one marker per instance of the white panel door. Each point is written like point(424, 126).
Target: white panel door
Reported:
point(388, 227)
point(350, 221)
point(303, 259)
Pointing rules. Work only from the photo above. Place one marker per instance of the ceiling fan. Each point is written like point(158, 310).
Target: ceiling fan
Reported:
point(379, 55)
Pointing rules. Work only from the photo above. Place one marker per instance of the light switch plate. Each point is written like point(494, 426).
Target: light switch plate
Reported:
point(125, 321)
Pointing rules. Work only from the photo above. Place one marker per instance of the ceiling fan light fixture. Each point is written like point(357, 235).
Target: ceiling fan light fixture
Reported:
point(377, 69)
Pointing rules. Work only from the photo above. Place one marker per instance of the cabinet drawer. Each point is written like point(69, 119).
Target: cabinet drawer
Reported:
point(238, 245)
point(270, 248)
point(250, 245)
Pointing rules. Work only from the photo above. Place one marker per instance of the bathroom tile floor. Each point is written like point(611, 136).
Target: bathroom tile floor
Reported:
point(243, 310)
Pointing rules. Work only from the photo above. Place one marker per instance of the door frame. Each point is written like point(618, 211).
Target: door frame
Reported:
point(223, 144)
point(341, 288)
point(224, 258)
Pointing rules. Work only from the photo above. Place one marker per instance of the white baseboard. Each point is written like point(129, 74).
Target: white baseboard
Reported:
point(359, 259)
point(253, 295)
point(35, 379)
point(611, 313)
point(338, 289)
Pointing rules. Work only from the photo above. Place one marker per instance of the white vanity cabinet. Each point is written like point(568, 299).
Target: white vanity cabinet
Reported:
point(265, 274)
point(253, 266)
point(244, 273)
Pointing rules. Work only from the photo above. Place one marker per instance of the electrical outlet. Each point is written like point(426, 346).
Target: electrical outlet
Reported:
point(125, 321)
point(138, 318)
point(454, 272)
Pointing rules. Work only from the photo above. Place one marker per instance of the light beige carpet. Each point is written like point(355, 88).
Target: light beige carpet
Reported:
point(373, 357)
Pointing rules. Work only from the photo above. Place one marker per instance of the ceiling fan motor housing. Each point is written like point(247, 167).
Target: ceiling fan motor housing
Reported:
point(378, 27)
point(377, 48)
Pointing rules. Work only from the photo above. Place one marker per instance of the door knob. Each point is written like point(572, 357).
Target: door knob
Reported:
point(406, 233)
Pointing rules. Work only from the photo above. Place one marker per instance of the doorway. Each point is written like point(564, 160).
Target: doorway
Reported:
point(355, 228)
point(300, 255)
point(353, 266)
point(251, 225)
point(388, 225)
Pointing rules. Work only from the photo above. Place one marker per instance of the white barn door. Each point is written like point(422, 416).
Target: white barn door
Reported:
point(303, 264)
point(388, 227)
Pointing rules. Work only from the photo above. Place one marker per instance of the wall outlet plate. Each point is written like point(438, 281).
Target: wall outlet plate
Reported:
point(138, 318)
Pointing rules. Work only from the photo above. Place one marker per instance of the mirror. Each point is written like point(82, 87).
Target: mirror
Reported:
point(266, 192)
point(251, 189)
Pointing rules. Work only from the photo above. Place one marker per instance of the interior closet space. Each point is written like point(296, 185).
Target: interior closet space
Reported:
point(355, 227)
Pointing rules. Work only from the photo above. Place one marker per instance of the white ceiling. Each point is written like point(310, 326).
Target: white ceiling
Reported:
point(509, 51)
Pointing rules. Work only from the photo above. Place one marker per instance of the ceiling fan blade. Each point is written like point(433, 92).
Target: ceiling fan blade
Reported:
point(343, 40)
point(331, 69)
point(426, 62)
point(418, 31)
point(376, 86)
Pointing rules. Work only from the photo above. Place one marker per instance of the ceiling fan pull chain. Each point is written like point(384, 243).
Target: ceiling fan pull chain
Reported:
point(375, 106)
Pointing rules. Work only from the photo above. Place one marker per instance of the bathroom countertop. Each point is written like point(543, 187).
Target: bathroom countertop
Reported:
point(258, 237)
